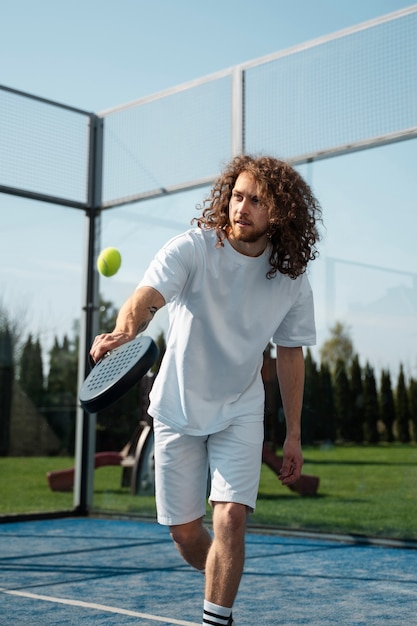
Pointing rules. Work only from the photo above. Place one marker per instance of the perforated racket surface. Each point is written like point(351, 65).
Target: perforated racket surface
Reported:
point(117, 372)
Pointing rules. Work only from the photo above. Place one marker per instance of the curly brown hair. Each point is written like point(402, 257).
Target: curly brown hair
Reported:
point(292, 208)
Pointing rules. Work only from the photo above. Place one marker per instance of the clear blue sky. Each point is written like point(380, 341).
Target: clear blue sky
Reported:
point(97, 54)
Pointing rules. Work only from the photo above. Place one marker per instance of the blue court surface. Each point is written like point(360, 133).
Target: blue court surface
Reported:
point(116, 572)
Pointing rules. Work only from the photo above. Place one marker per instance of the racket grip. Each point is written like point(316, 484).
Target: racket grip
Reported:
point(92, 362)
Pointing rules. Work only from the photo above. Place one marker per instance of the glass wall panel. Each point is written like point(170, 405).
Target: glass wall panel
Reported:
point(40, 302)
point(364, 281)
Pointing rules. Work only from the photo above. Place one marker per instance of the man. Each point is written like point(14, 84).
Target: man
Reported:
point(230, 284)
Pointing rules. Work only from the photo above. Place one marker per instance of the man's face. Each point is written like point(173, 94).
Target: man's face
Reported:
point(248, 219)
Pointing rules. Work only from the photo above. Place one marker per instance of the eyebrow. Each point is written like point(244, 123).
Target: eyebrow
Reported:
point(242, 193)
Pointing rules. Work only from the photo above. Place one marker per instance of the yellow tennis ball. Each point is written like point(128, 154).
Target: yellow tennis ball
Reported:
point(109, 262)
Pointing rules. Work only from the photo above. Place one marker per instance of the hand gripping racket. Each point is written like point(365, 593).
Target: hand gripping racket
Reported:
point(117, 372)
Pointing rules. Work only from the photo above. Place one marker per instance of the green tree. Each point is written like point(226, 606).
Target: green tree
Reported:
point(412, 393)
point(13, 323)
point(31, 371)
point(402, 409)
point(326, 421)
point(371, 407)
point(357, 399)
point(62, 376)
point(311, 399)
point(6, 388)
point(343, 403)
point(107, 316)
point(338, 348)
point(387, 405)
point(61, 391)
point(11, 330)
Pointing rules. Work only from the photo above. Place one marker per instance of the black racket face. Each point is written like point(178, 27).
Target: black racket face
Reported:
point(117, 372)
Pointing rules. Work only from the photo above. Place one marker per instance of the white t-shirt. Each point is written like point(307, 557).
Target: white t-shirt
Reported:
point(223, 312)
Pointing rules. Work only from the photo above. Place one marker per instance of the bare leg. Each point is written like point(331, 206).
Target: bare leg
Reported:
point(193, 542)
point(225, 559)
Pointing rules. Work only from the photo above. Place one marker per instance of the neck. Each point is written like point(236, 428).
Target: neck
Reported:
point(248, 248)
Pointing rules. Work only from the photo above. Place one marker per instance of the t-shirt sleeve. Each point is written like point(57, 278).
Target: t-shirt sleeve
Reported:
point(298, 327)
point(169, 271)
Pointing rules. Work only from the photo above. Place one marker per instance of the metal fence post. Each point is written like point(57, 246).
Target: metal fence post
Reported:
point(238, 142)
point(86, 423)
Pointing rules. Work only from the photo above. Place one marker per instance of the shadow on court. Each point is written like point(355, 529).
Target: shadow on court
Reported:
point(113, 572)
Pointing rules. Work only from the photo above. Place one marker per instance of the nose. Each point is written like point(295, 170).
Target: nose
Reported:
point(244, 206)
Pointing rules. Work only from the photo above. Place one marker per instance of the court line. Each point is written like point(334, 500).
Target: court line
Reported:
point(98, 607)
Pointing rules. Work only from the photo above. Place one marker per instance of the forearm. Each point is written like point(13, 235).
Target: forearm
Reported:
point(290, 373)
point(138, 311)
point(134, 317)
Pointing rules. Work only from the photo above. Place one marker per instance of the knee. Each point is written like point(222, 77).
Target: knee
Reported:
point(186, 534)
point(230, 518)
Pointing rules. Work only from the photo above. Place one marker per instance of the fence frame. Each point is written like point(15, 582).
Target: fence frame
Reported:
point(93, 207)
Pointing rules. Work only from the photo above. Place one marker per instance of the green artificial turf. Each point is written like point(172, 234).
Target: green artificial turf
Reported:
point(365, 490)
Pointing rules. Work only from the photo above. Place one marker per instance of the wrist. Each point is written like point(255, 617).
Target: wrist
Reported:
point(293, 435)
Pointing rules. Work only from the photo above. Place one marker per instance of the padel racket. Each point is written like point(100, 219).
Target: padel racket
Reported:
point(117, 372)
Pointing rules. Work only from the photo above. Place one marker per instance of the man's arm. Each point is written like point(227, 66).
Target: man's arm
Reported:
point(133, 318)
point(290, 372)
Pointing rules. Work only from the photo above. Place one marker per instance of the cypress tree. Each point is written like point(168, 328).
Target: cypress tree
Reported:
point(342, 401)
point(357, 398)
point(402, 409)
point(6, 388)
point(371, 408)
point(327, 416)
point(412, 393)
point(387, 405)
point(31, 371)
point(60, 405)
point(310, 400)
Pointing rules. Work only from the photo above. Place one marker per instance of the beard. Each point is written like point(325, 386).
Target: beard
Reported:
point(249, 234)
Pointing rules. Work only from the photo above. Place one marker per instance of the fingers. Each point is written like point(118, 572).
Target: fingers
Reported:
point(290, 472)
point(105, 343)
point(98, 349)
point(292, 464)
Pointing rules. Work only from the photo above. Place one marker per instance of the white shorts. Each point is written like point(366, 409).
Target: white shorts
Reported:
point(182, 463)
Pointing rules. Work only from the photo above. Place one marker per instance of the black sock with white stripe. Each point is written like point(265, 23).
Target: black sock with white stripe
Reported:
point(215, 615)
